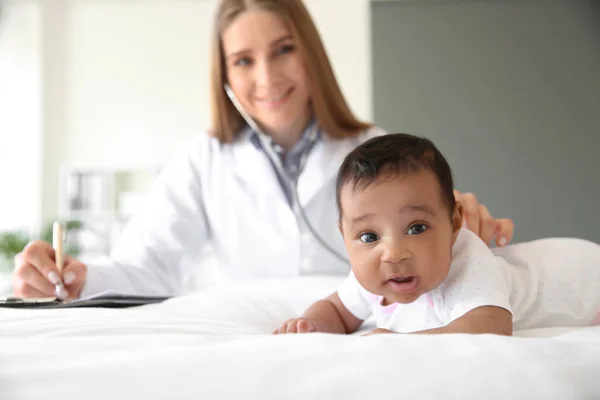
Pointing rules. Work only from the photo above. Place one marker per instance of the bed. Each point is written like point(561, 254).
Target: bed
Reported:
point(216, 343)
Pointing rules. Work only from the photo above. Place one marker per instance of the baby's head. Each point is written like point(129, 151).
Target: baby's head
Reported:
point(397, 215)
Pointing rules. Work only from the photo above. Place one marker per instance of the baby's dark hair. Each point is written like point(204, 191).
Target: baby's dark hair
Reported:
point(393, 155)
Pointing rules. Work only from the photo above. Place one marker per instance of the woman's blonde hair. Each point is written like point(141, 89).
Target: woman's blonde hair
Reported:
point(330, 108)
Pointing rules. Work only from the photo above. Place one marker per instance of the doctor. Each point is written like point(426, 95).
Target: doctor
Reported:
point(259, 187)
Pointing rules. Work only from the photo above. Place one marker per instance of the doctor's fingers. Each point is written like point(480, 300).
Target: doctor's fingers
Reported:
point(74, 275)
point(40, 255)
point(28, 282)
point(487, 225)
point(29, 292)
point(471, 211)
point(505, 229)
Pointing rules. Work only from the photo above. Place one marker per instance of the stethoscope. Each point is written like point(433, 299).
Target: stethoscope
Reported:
point(291, 182)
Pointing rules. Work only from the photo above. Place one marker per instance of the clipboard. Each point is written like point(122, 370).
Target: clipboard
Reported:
point(102, 300)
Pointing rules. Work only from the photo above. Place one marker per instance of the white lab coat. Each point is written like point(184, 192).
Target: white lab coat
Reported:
point(228, 195)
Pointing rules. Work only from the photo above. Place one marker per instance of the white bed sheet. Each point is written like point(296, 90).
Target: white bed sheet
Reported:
point(217, 344)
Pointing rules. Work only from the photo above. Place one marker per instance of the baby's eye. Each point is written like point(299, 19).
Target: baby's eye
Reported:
point(368, 237)
point(417, 229)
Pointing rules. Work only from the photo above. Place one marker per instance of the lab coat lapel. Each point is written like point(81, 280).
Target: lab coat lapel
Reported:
point(254, 169)
point(322, 166)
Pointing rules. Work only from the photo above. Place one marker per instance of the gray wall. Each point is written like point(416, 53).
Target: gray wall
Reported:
point(510, 92)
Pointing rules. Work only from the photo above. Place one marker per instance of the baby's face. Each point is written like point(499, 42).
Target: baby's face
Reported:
point(399, 235)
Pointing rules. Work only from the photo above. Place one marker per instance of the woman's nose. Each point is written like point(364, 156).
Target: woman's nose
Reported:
point(395, 252)
point(265, 73)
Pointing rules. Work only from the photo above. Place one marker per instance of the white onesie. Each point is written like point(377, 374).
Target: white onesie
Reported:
point(545, 283)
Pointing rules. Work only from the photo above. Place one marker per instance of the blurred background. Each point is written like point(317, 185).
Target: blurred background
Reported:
point(95, 95)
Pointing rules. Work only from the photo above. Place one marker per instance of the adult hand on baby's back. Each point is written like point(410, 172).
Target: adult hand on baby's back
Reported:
point(296, 325)
point(477, 218)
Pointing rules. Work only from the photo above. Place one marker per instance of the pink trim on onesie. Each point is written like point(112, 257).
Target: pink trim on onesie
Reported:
point(596, 320)
point(389, 309)
point(429, 300)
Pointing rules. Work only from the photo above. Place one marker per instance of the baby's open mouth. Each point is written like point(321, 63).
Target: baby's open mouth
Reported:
point(403, 284)
point(403, 279)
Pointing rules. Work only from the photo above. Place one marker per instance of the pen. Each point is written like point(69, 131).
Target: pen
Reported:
point(57, 244)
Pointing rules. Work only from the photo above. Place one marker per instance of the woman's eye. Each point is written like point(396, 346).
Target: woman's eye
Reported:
point(417, 229)
point(286, 49)
point(368, 237)
point(242, 62)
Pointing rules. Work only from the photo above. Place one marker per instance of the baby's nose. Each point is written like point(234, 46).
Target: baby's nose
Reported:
point(395, 252)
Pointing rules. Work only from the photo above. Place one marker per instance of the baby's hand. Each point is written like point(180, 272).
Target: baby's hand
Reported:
point(377, 331)
point(296, 325)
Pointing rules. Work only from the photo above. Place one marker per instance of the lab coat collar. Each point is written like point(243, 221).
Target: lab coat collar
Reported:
point(320, 169)
point(309, 135)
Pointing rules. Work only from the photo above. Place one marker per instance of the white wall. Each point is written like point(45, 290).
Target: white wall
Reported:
point(138, 74)
point(346, 31)
point(55, 75)
point(125, 82)
point(20, 116)
point(137, 79)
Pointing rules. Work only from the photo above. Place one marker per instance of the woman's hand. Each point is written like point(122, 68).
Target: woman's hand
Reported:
point(296, 325)
point(36, 273)
point(478, 219)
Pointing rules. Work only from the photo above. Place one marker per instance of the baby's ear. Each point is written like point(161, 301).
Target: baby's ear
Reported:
point(457, 220)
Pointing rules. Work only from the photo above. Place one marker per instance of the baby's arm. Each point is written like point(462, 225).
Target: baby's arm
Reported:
point(327, 315)
point(486, 319)
point(475, 297)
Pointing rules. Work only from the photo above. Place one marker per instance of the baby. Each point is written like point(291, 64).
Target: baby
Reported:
point(416, 270)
